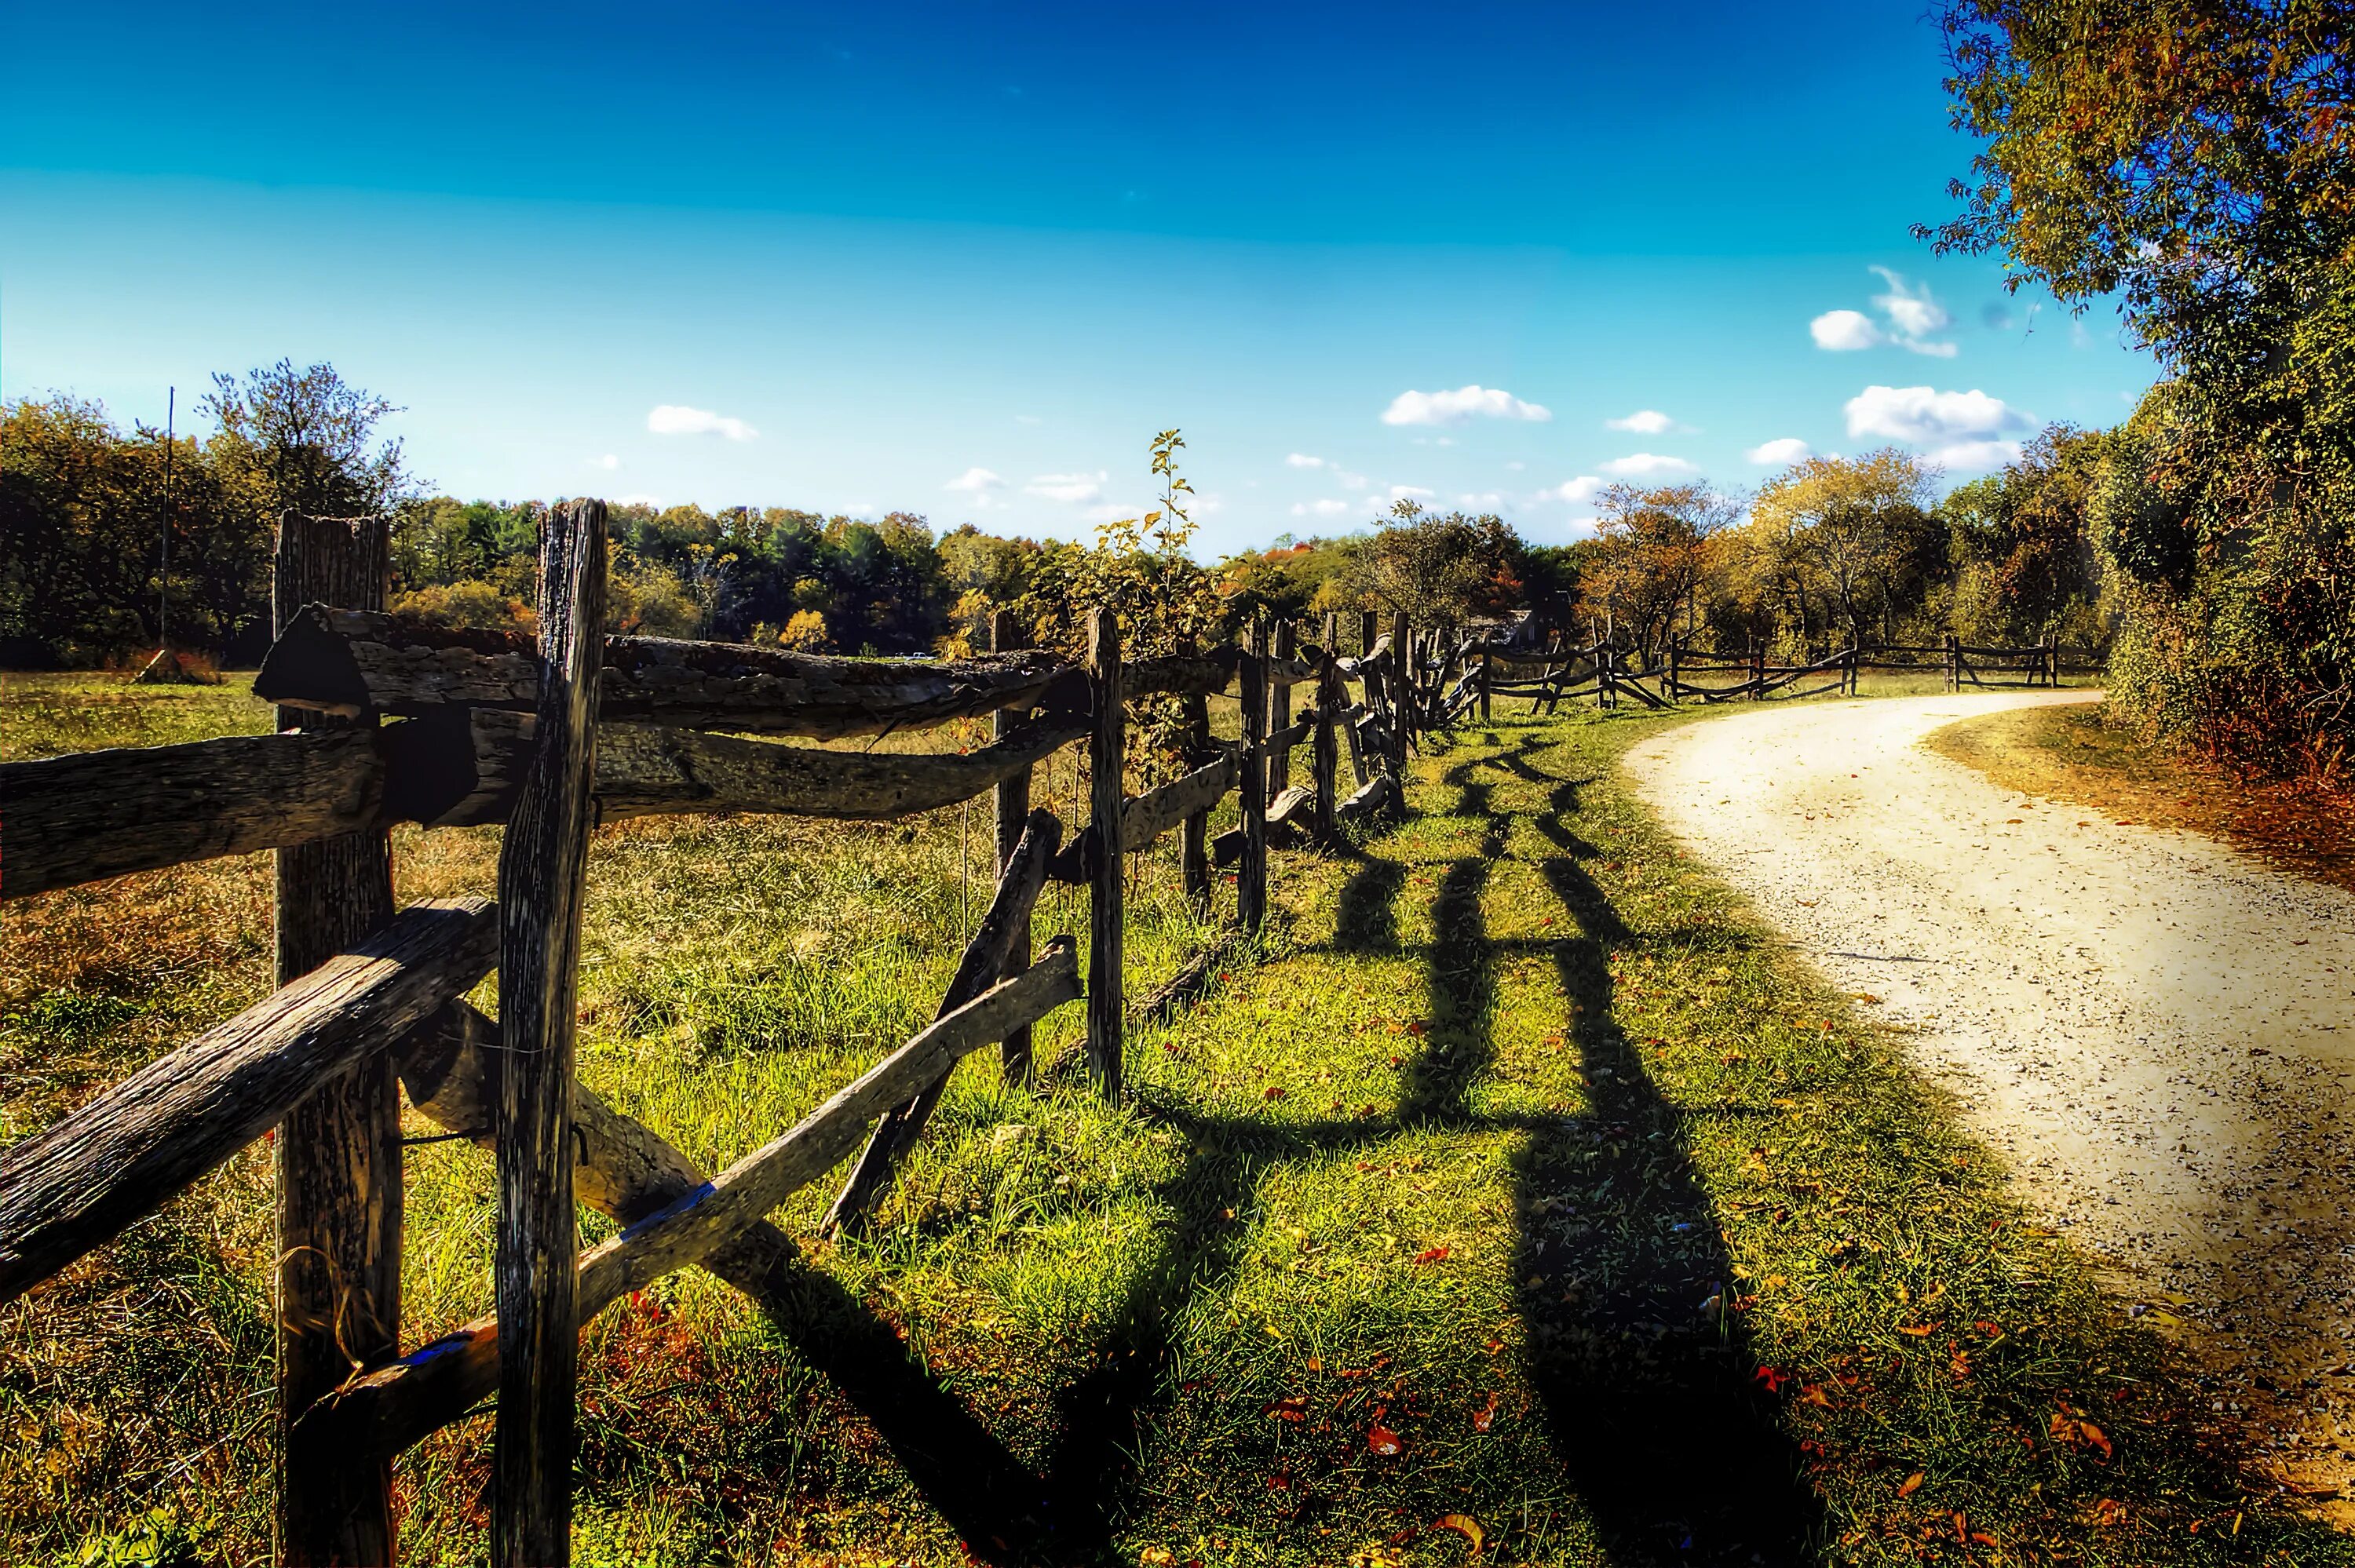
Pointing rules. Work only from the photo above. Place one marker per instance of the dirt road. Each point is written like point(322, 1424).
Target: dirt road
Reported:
point(2158, 1031)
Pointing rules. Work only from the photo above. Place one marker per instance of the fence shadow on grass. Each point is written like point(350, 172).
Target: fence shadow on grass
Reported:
point(1648, 1399)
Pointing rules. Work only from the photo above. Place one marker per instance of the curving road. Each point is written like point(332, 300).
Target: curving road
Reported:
point(2157, 1031)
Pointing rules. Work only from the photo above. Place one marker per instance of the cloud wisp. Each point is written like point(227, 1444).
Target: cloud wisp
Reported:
point(1647, 465)
point(1464, 403)
point(1649, 422)
point(679, 420)
point(975, 481)
point(1068, 487)
point(1912, 314)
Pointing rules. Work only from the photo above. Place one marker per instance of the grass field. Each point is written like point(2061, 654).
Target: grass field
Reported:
point(1519, 1198)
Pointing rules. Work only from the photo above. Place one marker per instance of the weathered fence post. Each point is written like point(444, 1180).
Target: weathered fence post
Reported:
point(1194, 833)
point(1676, 669)
point(1012, 800)
point(543, 865)
point(1250, 884)
point(1488, 675)
point(1324, 759)
point(1953, 662)
point(1106, 793)
point(1366, 633)
point(1757, 671)
point(1606, 691)
point(1401, 695)
point(1279, 703)
point(339, 1169)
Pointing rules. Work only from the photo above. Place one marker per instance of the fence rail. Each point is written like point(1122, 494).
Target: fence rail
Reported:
point(394, 721)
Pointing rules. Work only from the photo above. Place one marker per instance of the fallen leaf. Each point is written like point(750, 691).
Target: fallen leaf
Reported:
point(1465, 1525)
point(1917, 1330)
point(1275, 1092)
point(1812, 1393)
point(1156, 1556)
point(1911, 1484)
point(1486, 1416)
point(1293, 1409)
point(1771, 1379)
point(1382, 1440)
point(1431, 1254)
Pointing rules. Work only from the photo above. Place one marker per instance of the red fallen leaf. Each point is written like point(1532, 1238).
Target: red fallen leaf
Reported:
point(1382, 1440)
point(1813, 1393)
point(1293, 1409)
point(1275, 1092)
point(1486, 1416)
point(1465, 1525)
point(2107, 1513)
point(1912, 1484)
point(1771, 1379)
point(1495, 1345)
point(1917, 1330)
point(1992, 1331)
point(1431, 1254)
point(1418, 1028)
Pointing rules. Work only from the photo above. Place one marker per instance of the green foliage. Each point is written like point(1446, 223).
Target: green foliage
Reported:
point(2022, 540)
point(1440, 568)
point(2198, 158)
point(1649, 559)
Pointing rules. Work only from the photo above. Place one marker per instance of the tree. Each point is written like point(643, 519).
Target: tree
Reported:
point(1855, 533)
point(1440, 568)
point(1651, 556)
point(2198, 157)
point(2023, 544)
point(306, 441)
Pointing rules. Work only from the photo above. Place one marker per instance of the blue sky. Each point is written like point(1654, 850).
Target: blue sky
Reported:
point(964, 260)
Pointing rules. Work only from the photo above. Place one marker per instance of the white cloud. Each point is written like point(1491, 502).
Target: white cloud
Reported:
point(1912, 313)
point(1841, 331)
point(1647, 465)
point(1112, 510)
point(1914, 316)
point(609, 462)
point(1577, 492)
point(1325, 508)
point(1069, 487)
point(977, 481)
point(679, 420)
point(1649, 422)
point(1351, 480)
point(1464, 403)
point(1976, 456)
point(1410, 492)
point(1782, 450)
point(1925, 417)
point(1302, 460)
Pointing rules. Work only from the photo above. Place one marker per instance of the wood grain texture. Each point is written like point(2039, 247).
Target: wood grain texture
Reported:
point(1145, 818)
point(1193, 848)
point(337, 1153)
point(385, 1410)
point(344, 660)
point(1280, 738)
point(990, 955)
point(92, 814)
point(1400, 678)
point(1011, 811)
point(1324, 756)
point(543, 869)
point(117, 1157)
point(1107, 885)
point(1250, 880)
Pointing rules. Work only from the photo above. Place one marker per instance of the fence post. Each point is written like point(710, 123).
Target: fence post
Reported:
point(1757, 671)
point(1606, 691)
point(338, 1153)
point(1324, 759)
point(1488, 674)
point(1106, 793)
point(1279, 703)
point(1401, 695)
point(543, 865)
point(1676, 668)
point(1366, 633)
point(1251, 885)
point(1012, 800)
point(1953, 663)
point(1194, 833)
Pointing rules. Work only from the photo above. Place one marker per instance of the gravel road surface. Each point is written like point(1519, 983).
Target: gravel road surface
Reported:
point(2157, 1031)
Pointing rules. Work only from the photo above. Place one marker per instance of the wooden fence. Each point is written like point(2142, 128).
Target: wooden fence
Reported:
point(550, 737)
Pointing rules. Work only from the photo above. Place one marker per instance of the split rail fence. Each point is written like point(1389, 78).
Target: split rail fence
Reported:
point(551, 737)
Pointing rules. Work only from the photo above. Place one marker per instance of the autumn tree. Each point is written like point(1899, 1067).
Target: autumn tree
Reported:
point(1643, 572)
point(1441, 568)
point(1852, 536)
point(2025, 562)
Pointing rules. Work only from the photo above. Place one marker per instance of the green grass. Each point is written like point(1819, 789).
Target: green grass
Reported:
point(1519, 1147)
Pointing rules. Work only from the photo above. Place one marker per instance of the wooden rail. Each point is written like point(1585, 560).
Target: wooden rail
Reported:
point(402, 722)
